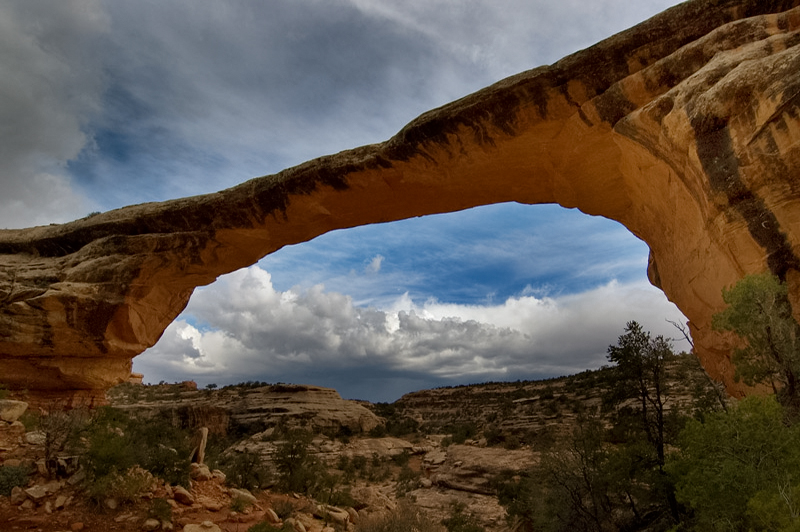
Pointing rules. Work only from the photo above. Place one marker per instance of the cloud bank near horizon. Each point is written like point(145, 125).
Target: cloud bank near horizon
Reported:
point(241, 328)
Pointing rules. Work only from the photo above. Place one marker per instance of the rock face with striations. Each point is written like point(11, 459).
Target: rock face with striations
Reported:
point(684, 129)
point(254, 409)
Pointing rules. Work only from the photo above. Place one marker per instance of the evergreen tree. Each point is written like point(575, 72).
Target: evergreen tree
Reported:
point(759, 312)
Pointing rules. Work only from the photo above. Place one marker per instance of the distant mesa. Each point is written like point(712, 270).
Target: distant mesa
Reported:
point(685, 129)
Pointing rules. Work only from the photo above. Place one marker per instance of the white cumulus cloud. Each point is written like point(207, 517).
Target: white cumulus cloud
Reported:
point(241, 328)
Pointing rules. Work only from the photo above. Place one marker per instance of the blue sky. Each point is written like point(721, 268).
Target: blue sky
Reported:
point(111, 103)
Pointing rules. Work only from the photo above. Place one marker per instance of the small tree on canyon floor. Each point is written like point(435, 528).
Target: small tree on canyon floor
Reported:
point(640, 388)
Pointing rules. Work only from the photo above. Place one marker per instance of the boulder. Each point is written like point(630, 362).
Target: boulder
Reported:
point(182, 495)
point(271, 517)
point(242, 494)
point(205, 526)
point(296, 524)
point(36, 437)
point(18, 495)
point(53, 486)
point(331, 513)
point(61, 501)
point(37, 493)
point(151, 525)
point(200, 472)
point(10, 411)
point(77, 478)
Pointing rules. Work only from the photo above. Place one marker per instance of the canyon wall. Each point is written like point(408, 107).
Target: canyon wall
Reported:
point(684, 129)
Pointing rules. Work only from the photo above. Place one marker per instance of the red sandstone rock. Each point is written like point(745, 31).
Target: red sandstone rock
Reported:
point(684, 129)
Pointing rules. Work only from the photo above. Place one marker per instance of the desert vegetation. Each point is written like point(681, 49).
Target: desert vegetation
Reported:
point(644, 443)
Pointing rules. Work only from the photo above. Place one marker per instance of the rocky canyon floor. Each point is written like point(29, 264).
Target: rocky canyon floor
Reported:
point(433, 451)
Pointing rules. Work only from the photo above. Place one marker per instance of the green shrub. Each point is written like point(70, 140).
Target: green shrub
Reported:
point(342, 498)
point(160, 509)
point(512, 442)
point(460, 521)
point(12, 476)
point(359, 462)
point(283, 508)
point(267, 527)
point(493, 435)
point(462, 432)
point(116, 442)
point(239, 504)
point(404, 519)
point(739, 467)
point(106, 453)
point(379, 431)
point(298, 470)
point(246, 470)
point(406, 480)
point(167, 463)
point(126, 486)
point(30, 419)
point(402, 458)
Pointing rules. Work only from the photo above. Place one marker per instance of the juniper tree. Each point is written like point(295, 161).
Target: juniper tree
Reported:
point(760, 313)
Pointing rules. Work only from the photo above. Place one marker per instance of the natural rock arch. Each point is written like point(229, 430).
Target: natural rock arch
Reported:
point(685, 129)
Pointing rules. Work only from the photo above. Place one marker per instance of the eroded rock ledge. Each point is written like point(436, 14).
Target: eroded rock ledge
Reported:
point(684, 128)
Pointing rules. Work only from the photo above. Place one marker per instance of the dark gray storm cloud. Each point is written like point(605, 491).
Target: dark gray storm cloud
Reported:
point(50, 89)
point(235, 90)
point(107, 102)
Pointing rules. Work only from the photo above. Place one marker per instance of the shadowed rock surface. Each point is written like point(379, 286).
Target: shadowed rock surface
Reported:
point(684, 129)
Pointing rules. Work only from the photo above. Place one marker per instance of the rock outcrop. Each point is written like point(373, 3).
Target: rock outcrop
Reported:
point(252, 409)
point(684, 129)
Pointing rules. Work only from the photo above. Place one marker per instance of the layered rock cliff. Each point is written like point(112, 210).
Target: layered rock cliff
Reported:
point(684, 128)
point(241, 409)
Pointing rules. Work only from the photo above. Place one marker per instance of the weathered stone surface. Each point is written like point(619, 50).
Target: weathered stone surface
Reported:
point(289, 405)
point(201, 439)
point(243, 495)
point(271, 517)
point(684, 129)
point(384, 447)
point(151, 524)
point(472, 469)
point(11, 410)
point(200, 472)
point(182, 495)
point(35, 437)
point(17, 495)
point(205, 526)
point(61, 501)
point(37, 492)
point(332, 513)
